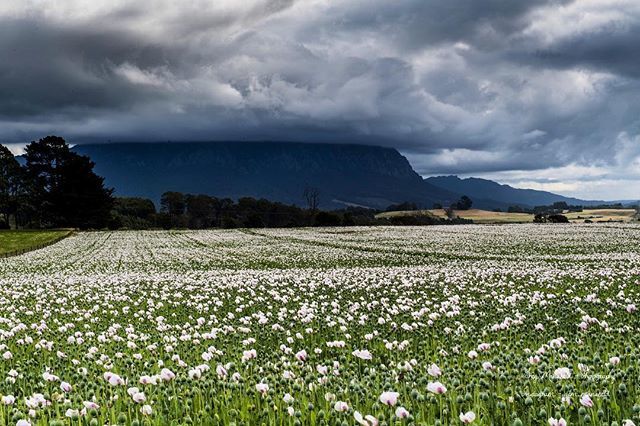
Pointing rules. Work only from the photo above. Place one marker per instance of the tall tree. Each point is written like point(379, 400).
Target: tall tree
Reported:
point(10, 185)
point(65, 190)
point(464, 203)
point(312, 196)
point(202, 210)
point(43, 159)
point(173, 205)
point(84, 202)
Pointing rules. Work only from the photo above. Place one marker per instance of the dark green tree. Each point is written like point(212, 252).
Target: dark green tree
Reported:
point(132, 213)
point(84, 203)
point(64, 189)
point(464, 203)
point(560, 205)
point(10, 186)
point(202, 211)
point(141, 208)
point(173, 205)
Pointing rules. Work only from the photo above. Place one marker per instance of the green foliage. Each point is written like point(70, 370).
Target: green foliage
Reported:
point(58, 188)
point(182, 211)
point(464, 203)
point(552, 218)
point(327, 219)
point(11, 186)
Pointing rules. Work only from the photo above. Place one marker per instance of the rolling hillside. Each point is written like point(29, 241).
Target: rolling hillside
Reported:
point(477, 188)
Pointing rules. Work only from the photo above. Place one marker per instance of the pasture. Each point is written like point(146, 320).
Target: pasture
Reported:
point(491, 217)
point(603, 215)
point(21, 241)
point(440, 325)
point(485, 216)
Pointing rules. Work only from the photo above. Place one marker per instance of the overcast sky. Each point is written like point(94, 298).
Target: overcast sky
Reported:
point(534, 93)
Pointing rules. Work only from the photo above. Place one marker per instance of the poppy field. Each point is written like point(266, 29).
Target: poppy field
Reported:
point(441, 325)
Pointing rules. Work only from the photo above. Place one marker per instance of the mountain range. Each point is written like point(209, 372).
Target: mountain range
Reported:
point(495, 193)
point(343, 174)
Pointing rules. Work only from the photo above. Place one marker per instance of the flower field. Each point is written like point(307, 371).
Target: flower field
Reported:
point(482, 325)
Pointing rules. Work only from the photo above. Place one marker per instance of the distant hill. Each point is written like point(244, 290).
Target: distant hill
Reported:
point(489, 190)
point(344, 174)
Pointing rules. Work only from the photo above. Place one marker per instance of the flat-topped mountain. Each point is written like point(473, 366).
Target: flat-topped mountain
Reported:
point(343, 174)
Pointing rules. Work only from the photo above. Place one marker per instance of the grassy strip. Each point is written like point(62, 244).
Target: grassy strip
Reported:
point(13, 243)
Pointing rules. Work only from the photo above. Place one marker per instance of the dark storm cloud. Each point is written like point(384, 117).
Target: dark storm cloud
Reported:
point(616, 51)
point(417, 23)
point(48, 69)
point(461, 86)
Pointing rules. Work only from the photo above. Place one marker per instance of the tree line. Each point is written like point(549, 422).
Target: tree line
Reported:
point(189, 211)
point(54, 188)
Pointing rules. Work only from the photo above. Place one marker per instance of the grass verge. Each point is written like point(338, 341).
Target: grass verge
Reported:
point(17, 242)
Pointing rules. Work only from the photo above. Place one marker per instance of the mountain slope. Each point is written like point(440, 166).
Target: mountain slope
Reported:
point(488, 189)
point(344, 174)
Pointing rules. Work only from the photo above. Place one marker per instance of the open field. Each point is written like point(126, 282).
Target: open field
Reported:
point(603, 215)
point(478, 216)
point(488, 217)
point(516, 324)
point(485, 216)
point(19, 241)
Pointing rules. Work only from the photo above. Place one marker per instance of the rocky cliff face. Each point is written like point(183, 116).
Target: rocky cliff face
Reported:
point(344, 174)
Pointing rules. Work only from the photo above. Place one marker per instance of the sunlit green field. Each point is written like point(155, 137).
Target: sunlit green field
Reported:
point(491, 217)
point(18, 241)
point(483, 325)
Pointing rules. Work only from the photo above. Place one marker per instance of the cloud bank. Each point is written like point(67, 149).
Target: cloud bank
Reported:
point(540, 93)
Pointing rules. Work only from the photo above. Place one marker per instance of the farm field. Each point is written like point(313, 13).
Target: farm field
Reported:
point(485, 216)
point(450, 325)
point(490, 217)
point(478, 216)
point(18, 241)
point(602, 215)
